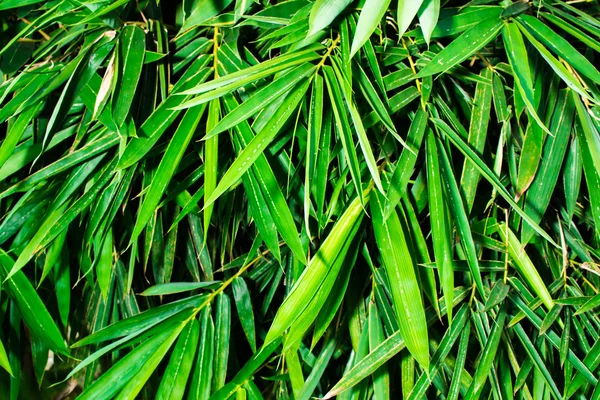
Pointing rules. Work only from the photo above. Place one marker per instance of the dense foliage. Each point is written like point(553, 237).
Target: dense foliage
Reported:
point(293, 199)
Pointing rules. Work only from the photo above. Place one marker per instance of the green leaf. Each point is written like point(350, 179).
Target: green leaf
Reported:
point(88, 151)
point(260, 99)
point(59, 220)
point(174, 379)
point(370, 16)
point(578, 33)
point(407, 10)
point(565, 339)
point(385, 351)
point(132, 43)
point(14, 134)
point(258, 144)
point(323, 12)
point(497, 294)
point(459, 363)
point(30, 306)
point(315, 126)
point(246, 371)
point(590, 150)
point(104, 264)
point(429, 13)
point(173, 155)
point(164, 115)
point(177, 287)
point(440, 224)
point(381, 378)
point(243, 304)
point(203, 10)
point(265, 190)
point(478, 130)
point(555, 64)
point(490, 176)
point(406, 164)
point(225, 84)
point(313, 276)
point(203, 369)
point(316, 304)
point(376, 103)
point(463, 47)
point(8, 4)
point(130, 373)
point(543, 184)
point(458, 325)
point(343, 126)
point(556, 341)
point(222, 338)
point(335, 298)
point(524, 265)
point(140, 321)
point(560, 46)
point(464, 19)
point(530, 158)
point(4, 363)
point(459, 213)
point(399, 266)
point(488, 355)
point(358, 126)
point(536, 357)
point(318, 369)
point(519, 62)
point(550, 318)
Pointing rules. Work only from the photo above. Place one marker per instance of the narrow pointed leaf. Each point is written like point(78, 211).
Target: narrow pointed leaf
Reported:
point(399, 267)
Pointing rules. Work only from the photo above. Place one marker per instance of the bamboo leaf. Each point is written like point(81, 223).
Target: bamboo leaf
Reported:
point(203, 369)
point(490, 176)
point(173, 383)
point(158, 122)
point(312, 277)
point(30, 306)
point(442, 352)
point(463, 47)
point(385, 351)
point(399, 267)
point(524, 265)
point(243, 304)
point(460, 216)
point(167, 167)
point(407, 10)
point(590, 151)
point(177, 287)
point(255, 147)
point(406, 164)
point(343, 126)
point(440, 226)
point(225, 84)
point(519, 62)
point(560, 46)
point(323, 12)
point(488, 356)
point(4, 362)
point(370, 16)
point(279, 87)
point(140, 321)
point(429, 13)
point(478, 129)
point(131, 57)
point(129, 381)
point(360, 129)
point(553, 153)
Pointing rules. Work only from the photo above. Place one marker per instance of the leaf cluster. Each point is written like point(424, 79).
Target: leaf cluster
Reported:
point(368, 199)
